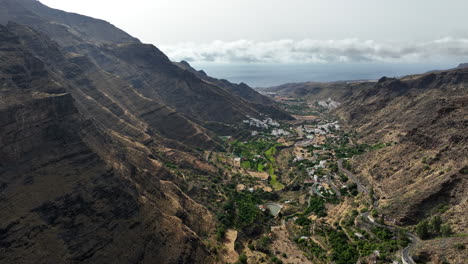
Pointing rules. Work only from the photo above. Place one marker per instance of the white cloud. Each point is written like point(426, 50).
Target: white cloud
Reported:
point(318, 51)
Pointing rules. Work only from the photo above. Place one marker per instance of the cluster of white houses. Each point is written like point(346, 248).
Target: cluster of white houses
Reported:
point(264, 124)
point(328, 104)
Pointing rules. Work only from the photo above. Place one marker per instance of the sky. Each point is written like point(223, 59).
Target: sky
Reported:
point(292, 31)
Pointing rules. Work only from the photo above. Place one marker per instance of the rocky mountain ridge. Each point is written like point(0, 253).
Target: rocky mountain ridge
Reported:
point(144, 66)
point(89, 119)
point(423, 116)
point(63, 125)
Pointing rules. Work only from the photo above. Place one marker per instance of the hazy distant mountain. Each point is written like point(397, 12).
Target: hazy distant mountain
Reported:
point(462, 65)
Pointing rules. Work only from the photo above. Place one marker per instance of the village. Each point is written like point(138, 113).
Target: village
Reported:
point(310, 152)
point(296, 172)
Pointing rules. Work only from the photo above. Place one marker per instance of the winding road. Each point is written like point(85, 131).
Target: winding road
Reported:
point(332, 185)
point(405, 255)
point(361, 188)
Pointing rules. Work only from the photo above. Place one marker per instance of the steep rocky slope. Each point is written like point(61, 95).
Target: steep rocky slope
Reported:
point(424, 118)
point(67, 28)
point(261, 102)
point(64, 203)
point(146, 68)
point(90, 118)
point(100, 95)
point(426, 115)
point(82, 170)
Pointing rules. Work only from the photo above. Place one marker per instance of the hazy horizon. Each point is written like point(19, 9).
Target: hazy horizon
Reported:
point(267, 75)
point(224, 36)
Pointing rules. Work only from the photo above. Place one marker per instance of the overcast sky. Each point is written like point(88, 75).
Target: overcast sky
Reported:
point(289, 31)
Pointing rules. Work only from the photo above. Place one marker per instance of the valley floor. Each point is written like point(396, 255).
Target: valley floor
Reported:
point(294, 198)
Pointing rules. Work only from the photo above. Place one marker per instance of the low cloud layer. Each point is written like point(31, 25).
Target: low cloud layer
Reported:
point(319, 51)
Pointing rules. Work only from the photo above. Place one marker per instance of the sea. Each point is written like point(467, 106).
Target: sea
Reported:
point(267, 75)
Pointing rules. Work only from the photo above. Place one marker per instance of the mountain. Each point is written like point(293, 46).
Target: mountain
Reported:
point(423, 118)
point(261, 102)
point(66, 28)
point(415, 166)
point(426, 169)
point(100, 146)
point(144, 66)
point(112, 153)
point(305, 89)
point(462, 66)
point(92, 123)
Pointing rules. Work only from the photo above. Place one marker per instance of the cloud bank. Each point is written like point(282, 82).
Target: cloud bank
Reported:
point(319, 51)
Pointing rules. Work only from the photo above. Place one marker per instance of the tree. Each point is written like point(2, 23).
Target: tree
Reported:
point(436, 222)
point(242, 259)
point(446, 230)
point(382, 219)
point(422, 230)
point(220, 232)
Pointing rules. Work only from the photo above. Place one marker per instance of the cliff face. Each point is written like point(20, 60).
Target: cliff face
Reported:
point(99, 95)
point(81, 174)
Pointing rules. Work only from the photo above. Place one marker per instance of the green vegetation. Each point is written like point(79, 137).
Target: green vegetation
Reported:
point(241, 212)
point(435, 224)
point(353, 189)
point(270, 155)
point(274, 179)
point(464, 170)
point(431, 228)
point(344, 151)
point(262, 244)
point(317, 206)
point(422, 230)
point(242, 259)
point(276, 260)
point(311, 248)
point(245, 164)
point(459, 246)
point(259, 155)
point(343, 252)
point(387, 243)
point(382, 233)
point(298, 107)
point(446, 230)
point(343, 177)
point(333, 167)
point(337, 243)
point(303, 221)
point(170, 165)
